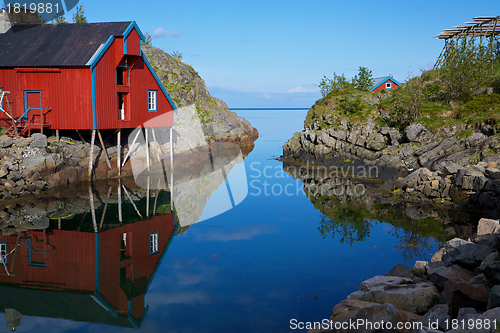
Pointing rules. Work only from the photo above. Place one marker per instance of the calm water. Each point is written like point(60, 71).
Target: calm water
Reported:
point(255, 267)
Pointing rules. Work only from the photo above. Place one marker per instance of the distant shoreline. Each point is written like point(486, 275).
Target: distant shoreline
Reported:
point(271, 109)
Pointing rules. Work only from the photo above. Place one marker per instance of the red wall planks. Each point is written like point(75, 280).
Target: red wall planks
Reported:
point(134, 44)
point(68, 91)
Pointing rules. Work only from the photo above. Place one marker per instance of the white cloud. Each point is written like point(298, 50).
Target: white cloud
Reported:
point(302, 90)
point(160, 33)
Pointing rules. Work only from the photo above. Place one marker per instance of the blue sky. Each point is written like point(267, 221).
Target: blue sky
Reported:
point(273, 53)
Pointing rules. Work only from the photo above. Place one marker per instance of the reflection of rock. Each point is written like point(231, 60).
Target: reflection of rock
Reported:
point(37, 212)
point(353, 201)
point(192, 194)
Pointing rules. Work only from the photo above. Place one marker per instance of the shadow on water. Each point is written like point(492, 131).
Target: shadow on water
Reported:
point(351, 206)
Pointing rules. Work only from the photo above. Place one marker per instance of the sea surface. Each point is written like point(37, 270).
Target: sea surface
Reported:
point(272, 259)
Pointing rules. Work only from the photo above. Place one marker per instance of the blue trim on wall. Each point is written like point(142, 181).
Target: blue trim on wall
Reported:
point(94, 62)
point(384, 81)
point(129, 30)
point(127, 33)
point(26, 101)
point(102, 302)
point(158, 81)
point(29, 255)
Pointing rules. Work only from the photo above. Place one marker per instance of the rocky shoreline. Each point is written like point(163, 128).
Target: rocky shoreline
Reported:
point(460, 285)
point(455, 165)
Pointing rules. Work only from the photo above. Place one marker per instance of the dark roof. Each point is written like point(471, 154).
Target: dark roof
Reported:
point(55, 45)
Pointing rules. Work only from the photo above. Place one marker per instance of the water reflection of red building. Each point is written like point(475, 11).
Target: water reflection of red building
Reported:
point(94, 277)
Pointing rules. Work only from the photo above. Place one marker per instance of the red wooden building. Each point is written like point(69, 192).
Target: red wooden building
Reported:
point(384, 83)
point(85, 276)
point(79, 76)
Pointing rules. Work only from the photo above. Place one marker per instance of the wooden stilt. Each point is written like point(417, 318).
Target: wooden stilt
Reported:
point(132, 201)
point(12, 116)
point(57, 135)
point(59, 223)
point(147, 196)
point(119, 151)
point(104, 149)
point(80, 135)
point(156, 201)
point(92, 208)
point(131, 148)
point(157, 146)
point(120, 212)
point(105, 207)
point(91, 158)
point(15, 251)
point(147, 150)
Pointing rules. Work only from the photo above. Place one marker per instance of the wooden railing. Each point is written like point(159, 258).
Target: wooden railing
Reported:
point(31, 124)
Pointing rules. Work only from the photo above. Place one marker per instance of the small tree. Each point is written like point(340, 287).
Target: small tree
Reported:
point(177, 55)
point(410, 97)
point(339, 82)
point(79, 16)
point(363, 81)
point(466, 67)
point(60, 19)
point(148, 40)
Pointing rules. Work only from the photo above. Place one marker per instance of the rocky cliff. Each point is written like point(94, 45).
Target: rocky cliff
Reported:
point(186, 87)
point(455, 164)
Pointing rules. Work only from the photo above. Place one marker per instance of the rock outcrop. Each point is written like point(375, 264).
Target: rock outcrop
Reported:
point(186, 87)
point(441, 167)
point(461, 285)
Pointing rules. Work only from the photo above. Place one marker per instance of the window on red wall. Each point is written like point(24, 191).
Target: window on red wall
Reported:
point(123, 106)
point(153, 243)
point(126, 245)
point(388, 85)
point(3, 252)
point(152, 100)
point(122, 78)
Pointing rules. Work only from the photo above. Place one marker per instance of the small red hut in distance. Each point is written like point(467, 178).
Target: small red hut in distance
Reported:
point(79, 76)
point(384, 83)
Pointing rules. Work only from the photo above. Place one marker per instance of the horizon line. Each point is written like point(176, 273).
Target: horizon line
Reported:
point(256, 109)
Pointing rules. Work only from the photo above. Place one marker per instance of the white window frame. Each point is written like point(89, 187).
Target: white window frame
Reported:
point(3, 252)
point(153, 243)
point(388, 85)
point(152, 100)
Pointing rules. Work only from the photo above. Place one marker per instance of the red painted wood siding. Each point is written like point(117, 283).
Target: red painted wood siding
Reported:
point(67, 91)
point(141, 261)
point(70, 266)
point(382, 86)
point(134, 44)
point(141, 80)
